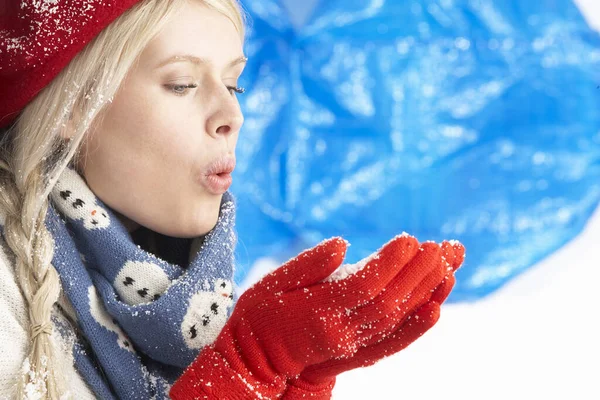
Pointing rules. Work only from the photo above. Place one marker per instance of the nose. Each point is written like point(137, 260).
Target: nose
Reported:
point(224, 122)
point(226, 117)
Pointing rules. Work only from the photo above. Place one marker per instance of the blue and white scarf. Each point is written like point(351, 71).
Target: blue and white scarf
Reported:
point(143, 319)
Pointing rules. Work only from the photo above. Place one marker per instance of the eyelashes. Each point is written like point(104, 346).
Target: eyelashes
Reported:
point(182, 90)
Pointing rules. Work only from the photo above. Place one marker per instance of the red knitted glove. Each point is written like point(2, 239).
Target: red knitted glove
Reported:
point(317, 381)
point(292, 319)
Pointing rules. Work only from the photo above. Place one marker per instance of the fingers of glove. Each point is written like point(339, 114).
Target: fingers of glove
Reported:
point(311, 266)
point(447, 255)
point(441, 293)
point(403, 294)
point(414, 327)
point(363, 285)
point(454, 252)
point(375, 331)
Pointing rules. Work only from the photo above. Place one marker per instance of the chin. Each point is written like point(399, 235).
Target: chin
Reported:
point(208, 223)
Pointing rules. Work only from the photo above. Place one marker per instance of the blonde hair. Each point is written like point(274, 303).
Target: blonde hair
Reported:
point(33, 154)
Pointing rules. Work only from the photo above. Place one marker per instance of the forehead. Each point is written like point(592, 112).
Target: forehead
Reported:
point(196, 30)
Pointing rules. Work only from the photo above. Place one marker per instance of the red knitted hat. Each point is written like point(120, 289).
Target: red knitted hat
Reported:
point(38, 38)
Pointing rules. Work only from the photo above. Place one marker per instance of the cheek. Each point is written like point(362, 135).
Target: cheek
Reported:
point(138, 109)
point(136, 128)
point(159, 125)
point(133, 115)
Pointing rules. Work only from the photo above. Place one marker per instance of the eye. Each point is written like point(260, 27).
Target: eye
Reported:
point(181, 90)
point(235, 89)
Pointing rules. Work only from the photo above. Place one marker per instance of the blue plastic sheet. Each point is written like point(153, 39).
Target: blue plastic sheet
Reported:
point(474, 120)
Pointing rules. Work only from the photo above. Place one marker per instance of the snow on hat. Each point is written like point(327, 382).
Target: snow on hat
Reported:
point(38, 38)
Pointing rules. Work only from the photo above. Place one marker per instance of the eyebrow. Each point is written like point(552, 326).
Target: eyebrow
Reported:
point(199, 60)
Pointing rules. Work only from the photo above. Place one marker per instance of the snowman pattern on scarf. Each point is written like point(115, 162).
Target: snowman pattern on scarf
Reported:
point(206, 314)
point(77, 202)
point(140, 282)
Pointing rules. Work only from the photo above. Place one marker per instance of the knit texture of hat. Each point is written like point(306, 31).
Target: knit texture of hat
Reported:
point(38, 38)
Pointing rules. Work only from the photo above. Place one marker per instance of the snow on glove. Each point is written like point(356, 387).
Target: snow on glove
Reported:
point(292, 319)
point(451, 256)
point(317, 381)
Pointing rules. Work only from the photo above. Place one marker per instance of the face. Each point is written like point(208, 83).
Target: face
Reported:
point(149, 158)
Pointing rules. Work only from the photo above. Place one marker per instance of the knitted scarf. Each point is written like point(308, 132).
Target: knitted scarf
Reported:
point(141, 320)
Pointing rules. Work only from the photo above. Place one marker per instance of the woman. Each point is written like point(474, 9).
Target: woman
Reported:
point(120, 123)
